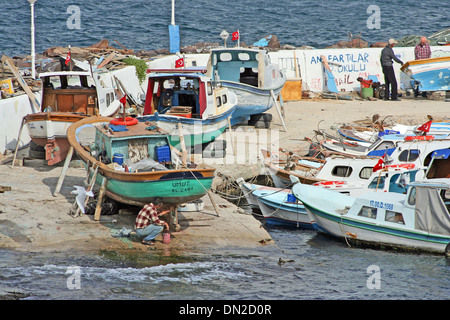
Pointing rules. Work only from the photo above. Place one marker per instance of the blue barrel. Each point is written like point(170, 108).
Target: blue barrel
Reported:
point(118, 158)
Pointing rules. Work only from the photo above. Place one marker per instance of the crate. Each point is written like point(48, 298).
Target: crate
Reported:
point(163, 154)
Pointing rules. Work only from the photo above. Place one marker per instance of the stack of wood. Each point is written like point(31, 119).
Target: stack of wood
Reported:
point(10, 84)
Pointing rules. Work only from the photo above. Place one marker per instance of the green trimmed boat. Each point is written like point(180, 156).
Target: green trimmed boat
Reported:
point(137, 162)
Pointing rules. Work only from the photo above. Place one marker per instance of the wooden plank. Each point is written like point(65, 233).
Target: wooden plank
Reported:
point(22, 82)
point(107, 60)
point(101, 195)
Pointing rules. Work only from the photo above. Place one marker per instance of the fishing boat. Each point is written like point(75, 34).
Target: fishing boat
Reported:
point(280, 207)
point(187, 103)
point(433, 74)
point(136, 163)
point(250, 75)
point(370, 135)
point(417, 220)
point(67, 97)
point(310, 170)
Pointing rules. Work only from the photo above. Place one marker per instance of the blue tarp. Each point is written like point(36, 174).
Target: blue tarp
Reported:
point(441, 154)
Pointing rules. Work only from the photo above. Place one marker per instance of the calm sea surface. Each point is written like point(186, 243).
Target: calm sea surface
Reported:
point(318, 267)
point(142, 24)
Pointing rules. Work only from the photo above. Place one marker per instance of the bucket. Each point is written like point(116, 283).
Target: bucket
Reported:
point(118, 158)
point(166, 237)
point(366, 92)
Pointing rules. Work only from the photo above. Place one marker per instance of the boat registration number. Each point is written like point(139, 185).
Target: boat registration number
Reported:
point(381, 205)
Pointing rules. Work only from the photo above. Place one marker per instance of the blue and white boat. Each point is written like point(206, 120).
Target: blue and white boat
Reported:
point(432, 74)
point(250, 75)
point(417, 220)
point(187, 103)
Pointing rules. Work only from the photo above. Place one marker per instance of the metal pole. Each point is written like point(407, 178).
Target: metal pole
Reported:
point(33, 53)
point(173, 12)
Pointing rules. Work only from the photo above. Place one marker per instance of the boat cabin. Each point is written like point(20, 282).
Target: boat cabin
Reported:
point(189, 95)
point(242, 65)
point(425, 207)
point(73, 91)
point(142, 146)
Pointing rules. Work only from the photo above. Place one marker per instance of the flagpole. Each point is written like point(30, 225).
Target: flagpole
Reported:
point(173, 12)
point(33, 51)
point(239, 38)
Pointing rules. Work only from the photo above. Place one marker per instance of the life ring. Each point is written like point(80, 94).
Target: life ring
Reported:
point(419, 138)
point(328, 184)
point(129, 121)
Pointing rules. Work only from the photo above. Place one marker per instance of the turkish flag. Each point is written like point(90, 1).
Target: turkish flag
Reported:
point(179, 63)
point(425, 127)
point(123, 100)
point(379, 164)
point(68, 59)
point(235, 36)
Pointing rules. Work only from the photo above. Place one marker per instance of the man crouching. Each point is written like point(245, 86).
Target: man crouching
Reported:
point(148, 225)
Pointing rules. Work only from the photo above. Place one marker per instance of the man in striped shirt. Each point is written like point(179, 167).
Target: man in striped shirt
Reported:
point(148, 225)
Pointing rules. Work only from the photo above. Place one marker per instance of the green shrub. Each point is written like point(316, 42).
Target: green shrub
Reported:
point(140, 65)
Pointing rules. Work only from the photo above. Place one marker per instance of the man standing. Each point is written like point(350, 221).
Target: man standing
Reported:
point(148, 225)
point(387, 55)
point(421, 51)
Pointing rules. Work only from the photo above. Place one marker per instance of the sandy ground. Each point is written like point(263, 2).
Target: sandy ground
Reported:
point(33, 220)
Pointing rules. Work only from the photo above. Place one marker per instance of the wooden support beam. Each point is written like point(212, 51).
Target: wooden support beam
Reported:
point(101, 195)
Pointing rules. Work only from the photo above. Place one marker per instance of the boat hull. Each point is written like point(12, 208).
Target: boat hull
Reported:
point(173, 188)
point(195, 131)
point(276, 208)
point(251, 100)
point(433, 74)
point(49, 130)
point(376, 235)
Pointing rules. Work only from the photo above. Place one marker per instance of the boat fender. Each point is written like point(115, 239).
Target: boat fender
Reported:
point(129, 121)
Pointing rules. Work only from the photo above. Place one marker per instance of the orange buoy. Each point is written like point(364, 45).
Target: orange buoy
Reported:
point(128, 121)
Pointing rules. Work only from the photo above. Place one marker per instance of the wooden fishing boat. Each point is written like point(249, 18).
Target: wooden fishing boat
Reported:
point(67, 97)
point(248, 73)
point(188, 103)
point(433, 74)
point(418, 220)
point(149, 169)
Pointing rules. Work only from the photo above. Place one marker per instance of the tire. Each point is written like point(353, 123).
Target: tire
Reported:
point(260, 120)
point(214, 153)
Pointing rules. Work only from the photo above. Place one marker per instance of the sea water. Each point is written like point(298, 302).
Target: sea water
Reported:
point(299, 265)
point(143, 24)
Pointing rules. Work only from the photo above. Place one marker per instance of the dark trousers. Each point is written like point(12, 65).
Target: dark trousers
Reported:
point(389, 80)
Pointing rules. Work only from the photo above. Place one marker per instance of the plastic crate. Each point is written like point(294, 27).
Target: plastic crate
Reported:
point(163, 153)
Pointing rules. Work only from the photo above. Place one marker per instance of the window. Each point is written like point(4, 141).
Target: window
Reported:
point(342, 171)
point(224, 99)
point(412, 196)
point(393, 216)
point(243, 56)
point(366, 172)
point(218, 102)
point(377, 183)
point(368, 212)
point(225, 56)
point(408, 155)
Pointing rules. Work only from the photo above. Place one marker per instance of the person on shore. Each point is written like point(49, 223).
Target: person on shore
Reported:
point(148, 225)
point(387, 55)
point(421, 51)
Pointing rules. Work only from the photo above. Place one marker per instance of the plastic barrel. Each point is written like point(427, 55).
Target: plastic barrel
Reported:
point(118, 158)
